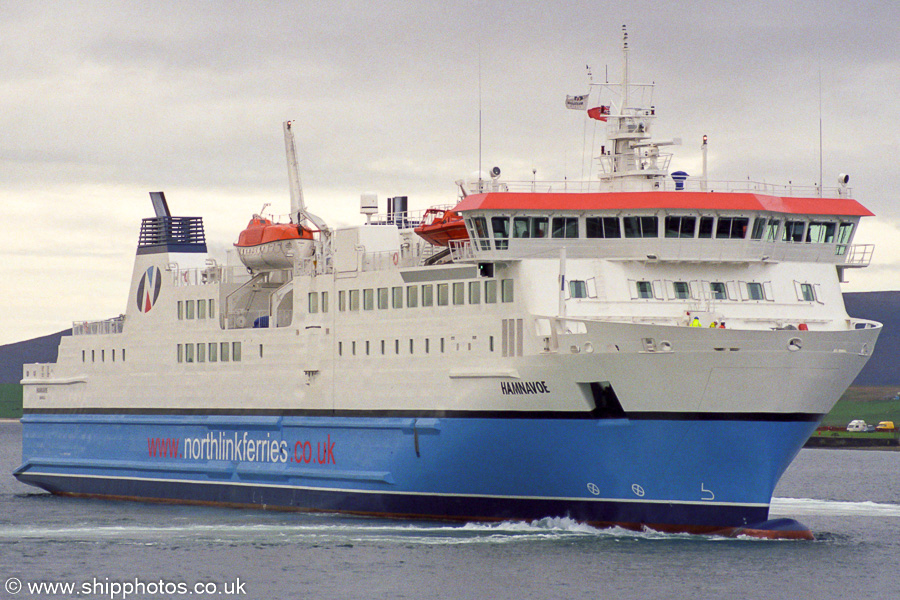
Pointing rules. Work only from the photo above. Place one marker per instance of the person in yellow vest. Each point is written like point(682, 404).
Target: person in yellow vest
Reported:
point(713, 324)
point(695, 322)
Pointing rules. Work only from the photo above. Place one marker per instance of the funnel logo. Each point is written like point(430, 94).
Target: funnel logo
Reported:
point(148, 289)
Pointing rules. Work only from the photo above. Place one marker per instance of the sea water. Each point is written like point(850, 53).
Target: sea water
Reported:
point(105, 549)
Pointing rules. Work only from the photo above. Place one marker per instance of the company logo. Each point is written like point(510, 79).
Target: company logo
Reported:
point(148, 289)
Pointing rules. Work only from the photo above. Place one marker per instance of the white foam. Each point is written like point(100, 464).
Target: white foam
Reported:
point(833, 508)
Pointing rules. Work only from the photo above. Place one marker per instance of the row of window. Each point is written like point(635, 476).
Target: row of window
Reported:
point(704, 227)
point(458, 293)
point(204, 308)
point(396, 347)
point(714, 290)
point(102, 354)
point(211, 352)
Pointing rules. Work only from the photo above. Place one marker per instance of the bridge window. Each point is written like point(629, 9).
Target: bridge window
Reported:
point(734, 228)
point(772, 230)
point(565, 227)
point(793, 231)
point(481, 232)
point(641, 227)
point(706, 227)
point(844, 233)
point(682, 290)
point(820, 233)
point(759, 228)
point(602, 227)
point(500, 227)
point(680, 227)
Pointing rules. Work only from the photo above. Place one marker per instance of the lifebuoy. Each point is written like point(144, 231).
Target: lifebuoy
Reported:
point(396, 258)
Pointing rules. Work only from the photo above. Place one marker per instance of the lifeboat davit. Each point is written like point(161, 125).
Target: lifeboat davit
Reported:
point(266, 246)
point(440, 226)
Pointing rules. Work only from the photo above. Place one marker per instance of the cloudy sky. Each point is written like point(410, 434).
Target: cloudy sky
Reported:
point(102, 102)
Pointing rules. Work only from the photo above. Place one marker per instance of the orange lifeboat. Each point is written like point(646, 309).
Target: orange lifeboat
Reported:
point(265, 246)
point(441, 226)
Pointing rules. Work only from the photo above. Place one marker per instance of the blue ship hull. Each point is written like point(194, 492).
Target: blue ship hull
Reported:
point(707, 475)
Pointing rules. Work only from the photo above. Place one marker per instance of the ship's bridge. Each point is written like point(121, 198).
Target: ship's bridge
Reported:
point(663, 226)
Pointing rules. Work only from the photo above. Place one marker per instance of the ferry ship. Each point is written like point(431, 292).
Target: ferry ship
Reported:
point(643, 349)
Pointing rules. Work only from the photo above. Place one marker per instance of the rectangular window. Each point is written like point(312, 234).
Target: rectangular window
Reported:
point(539, 227)
point(490, 291)
point(443, 294)
point(354, 299)
point(644, 289)
point(474, 292)
point(772, 230)
point(641, 227)
point(212, 308)
point(820, 233)
point(180, 350)
point(577, 289)
point(602, 227)
point(793, 231)
point(718, 290)
point(313, 302)
point(411, 346)
point(367, 347)
point(481, 233)
point(396, 346)
point(236, 351)
point(189, 309)
point(733, 228)
point(201, 309)
point(353, 348)
point(369, 299)
point(324, 302)
point(383, 298)
point(103, 356)
point(213, 354)
point(759, 228)
point(755, 291)
point(807, 292)
point(459, 293)
point(500, 227)
point(845, 230)
point(189, 353)
point(382, 346)
point(201, 353)
point(682, 290)
point(342, 300)
point(521, 227)
point(506, 290)
point(412, 296)
point(706, 227)
point(680, 227)
point(340, 348)
point(114, 355)
point(427, 295)
point(427, 345)
point(223, 351)
point(180, 310)
point(397, 297)
point(565, 227)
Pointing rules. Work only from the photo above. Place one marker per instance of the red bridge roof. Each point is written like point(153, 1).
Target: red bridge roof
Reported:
point(604, 201)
